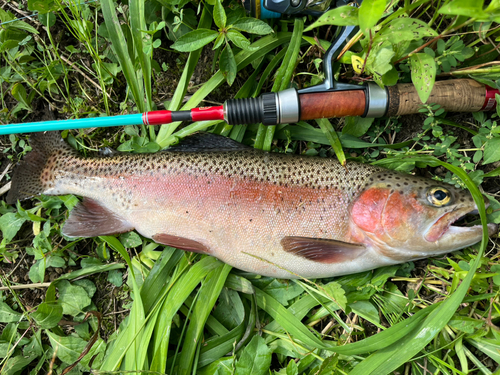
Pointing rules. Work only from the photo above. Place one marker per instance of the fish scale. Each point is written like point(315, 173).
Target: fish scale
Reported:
point(273, 214)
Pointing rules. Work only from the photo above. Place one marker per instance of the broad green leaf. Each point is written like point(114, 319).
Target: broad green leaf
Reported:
point(342, 16)
point(43, 6)
point(334, 290)
point(283, 291)
point(10, 223)
point(7, 315)
point(252, 26)
point(379, 61)
point(73, 298)
point(366, 310)
point(14, 365)
point(255, 358)
point(238, 39)
point(19, 92)
point(130, 239)
point(220, 18)
point(357, 126)
point(194, 40)
point(48, 314)
point(492, 150)
point(370, 13)
point(404, 29)
point(66, 348)
point(473, 9)
point(228, 64)
point(423, 74)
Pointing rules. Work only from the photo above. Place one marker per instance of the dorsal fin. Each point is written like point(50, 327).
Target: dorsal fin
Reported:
point(203, 141)
point(322, 250)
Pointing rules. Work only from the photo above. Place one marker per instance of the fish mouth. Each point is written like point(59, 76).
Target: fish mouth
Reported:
point(444, 226)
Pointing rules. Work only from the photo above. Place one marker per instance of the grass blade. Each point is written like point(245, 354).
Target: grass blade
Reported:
point(207, 296)
point(121, 50)
point(332, 136)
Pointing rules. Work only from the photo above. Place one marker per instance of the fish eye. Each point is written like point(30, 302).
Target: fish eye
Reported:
point(439, 196)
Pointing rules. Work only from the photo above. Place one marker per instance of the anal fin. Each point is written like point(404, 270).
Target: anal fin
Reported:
point(322, 250)
point(90, 219)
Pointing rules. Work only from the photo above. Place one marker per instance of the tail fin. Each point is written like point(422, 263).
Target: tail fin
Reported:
point(34, 174)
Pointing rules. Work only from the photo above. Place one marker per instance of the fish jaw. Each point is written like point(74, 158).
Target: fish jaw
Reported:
point(447, 236)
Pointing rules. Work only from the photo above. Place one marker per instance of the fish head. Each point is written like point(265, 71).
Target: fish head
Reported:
point(407, 217)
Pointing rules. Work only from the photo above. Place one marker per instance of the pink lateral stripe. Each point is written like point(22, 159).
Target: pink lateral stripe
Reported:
point(207, 113)
point(489, 100)
point(157, 117)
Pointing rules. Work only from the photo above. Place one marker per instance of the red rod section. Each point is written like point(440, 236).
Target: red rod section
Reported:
point(489, 100)
point(207, 113)
point(195, 114)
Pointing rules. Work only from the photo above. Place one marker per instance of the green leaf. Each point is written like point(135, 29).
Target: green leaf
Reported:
point(239, 40)
point(7, 315)
point(492, 150)
point(335, 291)
point(73, 298)
point(341, 16)
point(19, 92)
point(37, 271)
point(220, 18)
point(68, 348)
point(366, 310)
point(194, 40)
point(423, 74)
point(47, 315)
point(292, 368)
point(130, 239)
point(42, 6)
point(472, 9)
point(252, 26)
point(255, 358)
point(228, 64)
point(283, 291)
point(115, 277)
point(10, 223)
point(370, 12)
point(357, 126)
point(404, 29)
point(379, 62)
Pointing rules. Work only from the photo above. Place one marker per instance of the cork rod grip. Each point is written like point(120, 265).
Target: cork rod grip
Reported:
point(456, 95)
point(332, 104)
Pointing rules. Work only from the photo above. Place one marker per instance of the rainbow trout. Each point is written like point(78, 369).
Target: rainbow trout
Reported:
point(272, 214)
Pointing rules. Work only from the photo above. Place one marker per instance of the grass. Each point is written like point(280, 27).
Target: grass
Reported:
point(125, 304)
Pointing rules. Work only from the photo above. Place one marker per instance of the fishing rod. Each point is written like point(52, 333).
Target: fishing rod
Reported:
point(326, 100)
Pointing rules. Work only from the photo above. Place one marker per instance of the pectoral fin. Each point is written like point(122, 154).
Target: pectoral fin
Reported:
point(90, 219)
point(181, 243)
point(322, 250)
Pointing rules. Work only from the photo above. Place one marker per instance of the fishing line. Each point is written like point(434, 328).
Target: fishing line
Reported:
point(36, 13)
